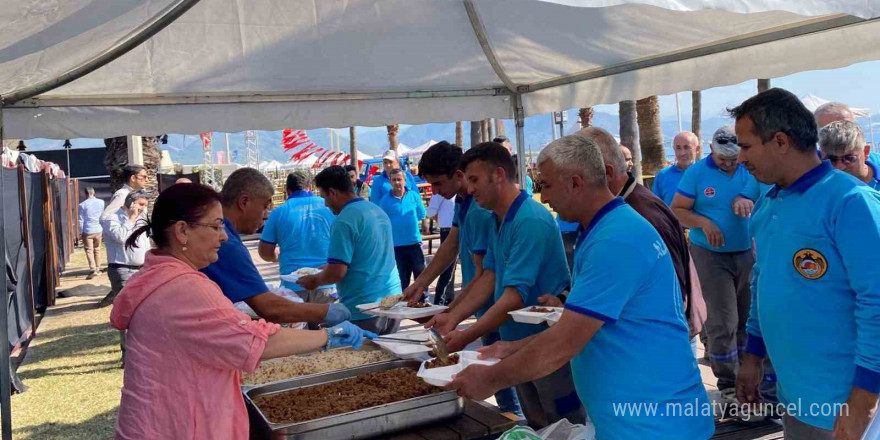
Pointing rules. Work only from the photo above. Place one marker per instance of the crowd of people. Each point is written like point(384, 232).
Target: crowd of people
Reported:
point(765, 247)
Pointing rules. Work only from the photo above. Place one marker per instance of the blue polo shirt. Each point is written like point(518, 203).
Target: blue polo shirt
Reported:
point(666, 183)
point(234, 270)
point(530, 186)
point(301, 229)
point(713, 192)
point(381, 186)
point(565, 226)
point(816, 300)
point(527, 254)
point(475, 226)
point(405, 213)
point(873, 161)
point(360, 238)
point(641, 354)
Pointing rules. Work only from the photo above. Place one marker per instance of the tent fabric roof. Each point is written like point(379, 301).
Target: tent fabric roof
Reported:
point(812, 102)
point(233, 65)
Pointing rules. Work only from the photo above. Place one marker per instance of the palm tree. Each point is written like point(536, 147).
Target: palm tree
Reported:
point(697, 117)
point(353, 145)
point(116, 158)
point(650, 135)
point(476, 133)
point(459, 134)
point(392, 136)
point(629, 134)
point(585, 115)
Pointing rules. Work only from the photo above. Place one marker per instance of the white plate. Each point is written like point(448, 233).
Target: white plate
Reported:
point(403, 350)
point(442, 376)
point(526, 317)
point(553, 318)
point(401, 311)
point(293, 276)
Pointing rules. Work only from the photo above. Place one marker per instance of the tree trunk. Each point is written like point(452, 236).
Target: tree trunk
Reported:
point(459, 134)
point(116, 158)
point(650, 135)
point(353, 145)
point(629, 134)
point(499, 127)
point(392, 136)
point(476, 133)
point(152, 160)
point(586, 116)
point(697, 117)
point(763, 84)
point(485, 130)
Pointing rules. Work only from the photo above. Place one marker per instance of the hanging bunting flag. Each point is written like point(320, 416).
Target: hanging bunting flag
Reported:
point(304, 152)
point(292, 139)
point(206, 140)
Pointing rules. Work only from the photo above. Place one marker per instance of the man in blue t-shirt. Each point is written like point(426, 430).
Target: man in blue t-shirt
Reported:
point(623, 329)
point(843, 144)
point(381, 185)
point(816, 294)
point(714, 199)
point(300, 230)
point(525, 260)
point(406, 211)
point(246, 199)
point(687, 148)
point(360, 260)
point(468, 237)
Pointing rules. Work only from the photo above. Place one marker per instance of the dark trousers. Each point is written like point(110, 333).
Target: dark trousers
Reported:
point(410, 262)
point(444, 292)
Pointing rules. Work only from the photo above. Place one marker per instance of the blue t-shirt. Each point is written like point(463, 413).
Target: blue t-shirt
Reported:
point(405, 214)
point(360, 238)
point(816, 300)
point(873, 161)
point(666, 183)
point(475, 226)
point(565, 226)
point(623, 275)
point(530, 186)
point(234, 270)
point(713, 191)
point(381, 186)
point(527, 254)
point(301, 229)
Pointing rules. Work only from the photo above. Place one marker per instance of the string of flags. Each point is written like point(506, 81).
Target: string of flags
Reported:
point(298, 142)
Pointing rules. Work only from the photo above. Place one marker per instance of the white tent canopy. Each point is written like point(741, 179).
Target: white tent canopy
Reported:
point(233, 65)
point(812, 102)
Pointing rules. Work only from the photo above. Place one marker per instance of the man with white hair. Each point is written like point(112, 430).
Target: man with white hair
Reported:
point(624, 334)
point(843, 143)
point(381, 185)
point(832, 111)
point(687, 147)
point(721, 249)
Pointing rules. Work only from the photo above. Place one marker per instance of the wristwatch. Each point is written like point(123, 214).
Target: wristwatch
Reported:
point(563, 296)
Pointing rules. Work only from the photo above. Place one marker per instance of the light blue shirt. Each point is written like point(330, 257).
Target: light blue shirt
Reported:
point(530, 186)
point(713, 192)
point(666, 183)
point(527, 254)
point(301, 230)
point(623, 275)
point(90, 215)
point(117, 229)
point(565, 226)
point(816, 300)
point(475, 226)
point(873, 161)
point(360, 238)
point(381, 186)
point(405, 213)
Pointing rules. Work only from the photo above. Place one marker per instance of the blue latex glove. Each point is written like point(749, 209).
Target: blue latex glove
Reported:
point(347, 334)
point(337, 313)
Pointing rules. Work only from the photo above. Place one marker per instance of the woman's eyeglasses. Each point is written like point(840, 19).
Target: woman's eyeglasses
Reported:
point(217, 228)
point(847, 159)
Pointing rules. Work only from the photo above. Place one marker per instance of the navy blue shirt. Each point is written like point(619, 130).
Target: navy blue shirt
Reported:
point(234, 270)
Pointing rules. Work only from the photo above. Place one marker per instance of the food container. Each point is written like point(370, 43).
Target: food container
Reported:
point(526, 317)
point(442, 376)
point(405, 350)
point(401, 311)
point(295, 275)
point(364, 423)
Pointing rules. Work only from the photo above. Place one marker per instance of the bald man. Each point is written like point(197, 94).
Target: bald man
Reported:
point(833, 111)
point(687, 148)
point(627, 154)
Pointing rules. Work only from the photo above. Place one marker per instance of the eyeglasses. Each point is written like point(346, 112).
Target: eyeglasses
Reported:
point(141, 177)
point(847, 159)
point(724, 140)
point(217, 228)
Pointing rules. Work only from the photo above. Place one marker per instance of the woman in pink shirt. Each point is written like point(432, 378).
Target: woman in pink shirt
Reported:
point(186, 343)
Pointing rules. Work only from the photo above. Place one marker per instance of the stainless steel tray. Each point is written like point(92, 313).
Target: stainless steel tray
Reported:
point(364, 423)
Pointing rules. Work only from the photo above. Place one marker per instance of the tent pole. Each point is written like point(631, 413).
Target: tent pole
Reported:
point(5, 366)
point(520, 120)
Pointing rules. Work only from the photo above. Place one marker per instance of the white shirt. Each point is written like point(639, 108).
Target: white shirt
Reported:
point(117, 229)
point(444, 209)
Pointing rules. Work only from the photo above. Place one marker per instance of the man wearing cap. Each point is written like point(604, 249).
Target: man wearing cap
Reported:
point(707, 202)
point(381, 185)
point(687, 147)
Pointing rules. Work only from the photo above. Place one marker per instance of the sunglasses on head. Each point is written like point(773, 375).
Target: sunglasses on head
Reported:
point(847, 159)
point(725, 140)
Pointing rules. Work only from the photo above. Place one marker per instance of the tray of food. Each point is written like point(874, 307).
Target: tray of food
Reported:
point(439, 373)
point(301, 272)
point(392, 307)
point(275, 370)
point(537, 315)
point(356, 403)
point(403, 349)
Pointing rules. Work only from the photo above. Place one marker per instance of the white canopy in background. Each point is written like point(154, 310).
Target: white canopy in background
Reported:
point(812, 102)
point(234, 65)
point(420, 150)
